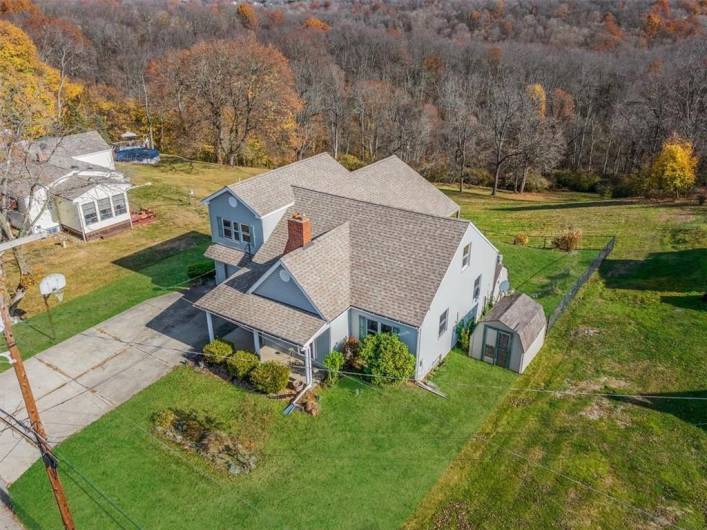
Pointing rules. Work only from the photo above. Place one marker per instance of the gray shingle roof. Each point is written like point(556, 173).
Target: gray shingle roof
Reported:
point(399, 185)
point(59, 150)
point(520, 313)
point(224, 254)
point(323, 270)
point(76, 185)
point(230, 300)
point(397, 258)
point(390, 182)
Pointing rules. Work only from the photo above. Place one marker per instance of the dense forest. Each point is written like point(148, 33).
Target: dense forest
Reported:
point(526, 94)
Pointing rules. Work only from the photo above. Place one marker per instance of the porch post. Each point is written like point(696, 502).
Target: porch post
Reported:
point(256, 341)
point(308, 364)
point(210, 325)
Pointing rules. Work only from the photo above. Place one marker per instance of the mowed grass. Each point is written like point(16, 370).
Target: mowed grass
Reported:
point(365, 462)
point(75, 315)
point(165, 189)
point(547, 460)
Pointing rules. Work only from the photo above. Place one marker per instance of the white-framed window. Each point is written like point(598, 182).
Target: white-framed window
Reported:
point(245, 233)
point(477, 287)
point(105, 208)
point(368, 326)
point(466, 256)
point(90, 216)
point(229, 229)
point(443, 322)
point(120, 205)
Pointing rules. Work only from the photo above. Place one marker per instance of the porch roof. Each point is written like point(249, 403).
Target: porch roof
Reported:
point(255, 312)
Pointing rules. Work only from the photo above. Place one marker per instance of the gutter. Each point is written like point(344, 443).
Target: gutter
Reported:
point(289, 409)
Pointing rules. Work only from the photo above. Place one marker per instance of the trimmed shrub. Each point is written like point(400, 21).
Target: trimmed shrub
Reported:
point(241, 363)
point(217, 351)
point(568, 240)
point(334, 363)
point(270, 377)
point(387, 358)
point(521, 239)
point(204, 269)
point(351, 162)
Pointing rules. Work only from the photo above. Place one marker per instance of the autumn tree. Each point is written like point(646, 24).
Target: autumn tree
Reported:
point(247, 16)
point(232, 92)
point(673, 170)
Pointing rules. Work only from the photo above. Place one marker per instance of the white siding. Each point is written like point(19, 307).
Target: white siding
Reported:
point(99, 158)
point(102, 191)
point(339, 330)
point(68, 214)
point(456, 293)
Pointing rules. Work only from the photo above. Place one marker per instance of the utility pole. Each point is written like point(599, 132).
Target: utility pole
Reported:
point(50, 462)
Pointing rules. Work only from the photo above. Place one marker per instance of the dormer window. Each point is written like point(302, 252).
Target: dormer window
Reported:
point(466, 256)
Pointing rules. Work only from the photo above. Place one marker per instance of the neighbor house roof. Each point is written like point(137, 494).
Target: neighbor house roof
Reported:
point(76, 185)
point(396, 258)
point(60, 150)
point(520, 313)
point(390, 182)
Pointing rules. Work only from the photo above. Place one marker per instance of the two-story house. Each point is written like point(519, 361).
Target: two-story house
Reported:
point(309, 254)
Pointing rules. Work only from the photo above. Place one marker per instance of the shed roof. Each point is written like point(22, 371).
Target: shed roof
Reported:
point(520, 313)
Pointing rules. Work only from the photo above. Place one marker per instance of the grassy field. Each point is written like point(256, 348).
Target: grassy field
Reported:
point(365, 462)
point(581, 461)
point(166, 190)
point(374, 458)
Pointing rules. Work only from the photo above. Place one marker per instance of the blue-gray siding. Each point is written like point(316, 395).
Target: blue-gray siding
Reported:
point(219, 208)
point(285, 292)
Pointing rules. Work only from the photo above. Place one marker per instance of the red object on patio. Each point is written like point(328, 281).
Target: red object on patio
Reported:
point(144, 216)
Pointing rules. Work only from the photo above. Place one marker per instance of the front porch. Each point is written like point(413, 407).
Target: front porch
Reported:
point(268, 348)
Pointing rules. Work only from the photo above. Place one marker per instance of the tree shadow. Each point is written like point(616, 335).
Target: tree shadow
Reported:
point(696, 302)
point(690, 406)
point(680, 271)
point(569, 205)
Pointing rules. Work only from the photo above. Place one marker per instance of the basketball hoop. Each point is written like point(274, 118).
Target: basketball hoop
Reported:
point(52, 285)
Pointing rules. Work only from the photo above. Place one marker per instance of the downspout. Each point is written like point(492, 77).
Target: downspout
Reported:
point(289, 409)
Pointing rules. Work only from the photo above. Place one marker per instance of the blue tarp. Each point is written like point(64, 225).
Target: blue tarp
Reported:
point(136, 154)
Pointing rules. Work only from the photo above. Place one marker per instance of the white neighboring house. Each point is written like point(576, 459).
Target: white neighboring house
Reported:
point(70, 183)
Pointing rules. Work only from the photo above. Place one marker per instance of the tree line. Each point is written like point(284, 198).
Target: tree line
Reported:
point(521, 95)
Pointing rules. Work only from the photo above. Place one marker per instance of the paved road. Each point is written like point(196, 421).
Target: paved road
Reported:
point(79, 380)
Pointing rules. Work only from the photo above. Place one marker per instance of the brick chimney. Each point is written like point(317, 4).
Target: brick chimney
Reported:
point(299, 232)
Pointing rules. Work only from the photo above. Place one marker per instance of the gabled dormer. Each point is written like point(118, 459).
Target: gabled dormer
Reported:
point(233, 223)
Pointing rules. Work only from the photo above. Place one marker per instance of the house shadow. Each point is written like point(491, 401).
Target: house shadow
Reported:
point(690, 406)
point(150, 261)
point(182, 321)
point(683, 271)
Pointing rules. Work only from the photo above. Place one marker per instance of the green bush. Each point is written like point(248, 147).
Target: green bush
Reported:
point(387, 358)
point(241, 363)
point(204, 269)
point(334, 363)
point(217, 351)
point(577, 180)
point(464, 330)
point(270, 377)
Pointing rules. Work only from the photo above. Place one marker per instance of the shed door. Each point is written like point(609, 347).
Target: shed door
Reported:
point(503, 349)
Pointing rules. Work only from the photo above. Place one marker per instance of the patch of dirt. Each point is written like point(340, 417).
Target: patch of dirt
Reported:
point(453, 515)
point(666, 517)
point(596, 385)
point(585, 331)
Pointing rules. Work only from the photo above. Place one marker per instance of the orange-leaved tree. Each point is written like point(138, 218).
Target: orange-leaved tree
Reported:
point(673, 170)
point(226, 95)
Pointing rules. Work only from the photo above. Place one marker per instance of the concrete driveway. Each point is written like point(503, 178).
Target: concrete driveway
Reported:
point(79, 380)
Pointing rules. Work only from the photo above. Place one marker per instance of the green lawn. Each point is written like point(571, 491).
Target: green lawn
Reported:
point(639, 327)
point(148, 273)
point(365, 462)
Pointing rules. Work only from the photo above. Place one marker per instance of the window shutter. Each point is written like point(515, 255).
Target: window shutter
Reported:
point(219, 225)
point(361, 327)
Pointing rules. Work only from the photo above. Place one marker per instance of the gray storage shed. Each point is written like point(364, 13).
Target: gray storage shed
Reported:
point(511, 334)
